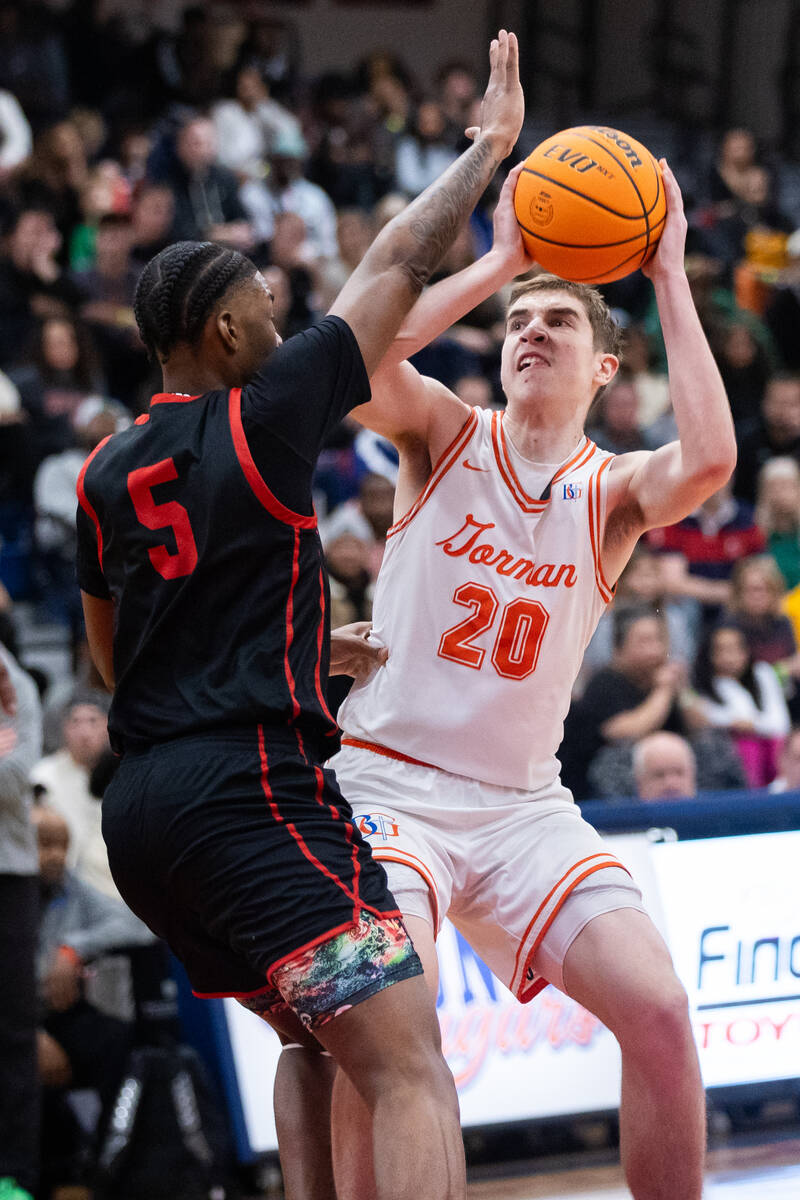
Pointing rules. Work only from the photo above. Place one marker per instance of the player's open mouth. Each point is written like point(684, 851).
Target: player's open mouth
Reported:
point(531, 360)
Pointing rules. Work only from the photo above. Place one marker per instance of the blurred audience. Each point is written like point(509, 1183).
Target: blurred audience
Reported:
point(744, 697)
point(62, 780)
point(664, 767)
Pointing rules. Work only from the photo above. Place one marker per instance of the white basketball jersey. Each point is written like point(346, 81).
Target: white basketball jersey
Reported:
point(486, 599)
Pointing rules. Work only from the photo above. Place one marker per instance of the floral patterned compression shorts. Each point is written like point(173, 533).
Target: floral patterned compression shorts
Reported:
point(325, 980)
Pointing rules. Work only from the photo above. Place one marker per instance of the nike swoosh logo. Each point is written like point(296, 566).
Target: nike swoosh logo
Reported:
point(466, 463)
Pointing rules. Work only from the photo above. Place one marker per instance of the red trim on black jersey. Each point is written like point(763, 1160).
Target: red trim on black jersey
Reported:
point(317, 680)
point(172, 398)
point(85, 503)
point(251, 472)
point(287, 666)
point(358, 903)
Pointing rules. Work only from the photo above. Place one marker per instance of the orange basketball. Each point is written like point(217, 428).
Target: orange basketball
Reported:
point(590, 203)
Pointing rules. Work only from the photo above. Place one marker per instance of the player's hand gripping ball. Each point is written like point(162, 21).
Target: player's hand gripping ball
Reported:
point(590, 202)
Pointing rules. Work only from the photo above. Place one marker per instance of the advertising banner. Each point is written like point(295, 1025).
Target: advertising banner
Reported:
point(729, 909)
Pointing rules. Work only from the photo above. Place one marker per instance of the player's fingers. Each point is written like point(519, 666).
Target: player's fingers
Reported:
point(512, 63)
point(502, 56)
point(493, 52)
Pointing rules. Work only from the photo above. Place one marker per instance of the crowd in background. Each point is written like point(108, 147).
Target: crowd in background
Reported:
point(123, 145)
point(112, 147)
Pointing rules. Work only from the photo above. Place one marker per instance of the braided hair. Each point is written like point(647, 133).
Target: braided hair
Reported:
point(178, 289)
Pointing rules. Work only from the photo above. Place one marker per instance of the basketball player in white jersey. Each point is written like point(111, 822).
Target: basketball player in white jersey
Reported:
point(511, 530)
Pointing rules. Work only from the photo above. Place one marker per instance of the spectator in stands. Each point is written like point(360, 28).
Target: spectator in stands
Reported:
point(207, 204)
point(107, 309)
point(352, 588)
point(747, 220)
point(32, 282)
point(367, 518)
point(744, 697)
point(62, 369)
point(78, 1045)
point(152, 215)
point(638, 693)
point(700, 551)
point(641, 692)
point(615, 423)
point(757, 591)
point(424, 152)
point(248, 124)
point(63, 779)
point(651, 386)
point(778, 514)
point(778, 433)
point(788, 779)
point(745, 370)
point(55, 175)
point(457, 90)
point(54, 497)
point(736, 155)
point(642, 584)
point(664, 767)
point(105, 194)
point(286, 190)
point(355, 231)
point(20, 746)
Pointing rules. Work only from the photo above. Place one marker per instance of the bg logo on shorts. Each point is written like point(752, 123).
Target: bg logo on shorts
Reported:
point(378, 824)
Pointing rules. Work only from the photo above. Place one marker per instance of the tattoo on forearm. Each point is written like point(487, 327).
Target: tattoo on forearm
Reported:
point(442, 209)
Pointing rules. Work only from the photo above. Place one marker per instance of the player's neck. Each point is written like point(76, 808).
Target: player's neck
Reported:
point(186, 376)
point(537, 436)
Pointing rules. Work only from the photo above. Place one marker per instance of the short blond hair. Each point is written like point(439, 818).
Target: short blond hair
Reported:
point(607, 333)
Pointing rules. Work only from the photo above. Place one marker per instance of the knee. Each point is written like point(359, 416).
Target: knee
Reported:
point(657, 1024)
point(420, 1075)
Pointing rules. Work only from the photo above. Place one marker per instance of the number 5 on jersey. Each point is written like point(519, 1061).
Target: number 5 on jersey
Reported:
point(518, 639)
point(167, 515)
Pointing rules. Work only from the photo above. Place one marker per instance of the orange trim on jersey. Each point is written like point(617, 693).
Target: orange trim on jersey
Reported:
point(528, 503)
point(604, 588)
point(85, 503)
point(579, 460)
point(604, 854)
point(386, 752)
point(251, 472)
point(538, 986)
point(439, 471)
point(525, 502)
point(415, 864)
point(143, 419)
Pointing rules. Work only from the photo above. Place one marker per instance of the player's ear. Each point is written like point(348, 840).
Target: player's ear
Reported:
point(226, 330)
point(606, 369)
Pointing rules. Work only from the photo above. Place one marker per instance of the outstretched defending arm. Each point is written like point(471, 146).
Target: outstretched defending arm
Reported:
point(403, 400)
point(659, 488)
point(389, 278)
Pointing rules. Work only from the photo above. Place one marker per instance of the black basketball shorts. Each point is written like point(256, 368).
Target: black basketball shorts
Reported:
point(240, 852)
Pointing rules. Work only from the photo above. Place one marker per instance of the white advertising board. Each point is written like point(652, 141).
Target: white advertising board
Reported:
point(730, 910)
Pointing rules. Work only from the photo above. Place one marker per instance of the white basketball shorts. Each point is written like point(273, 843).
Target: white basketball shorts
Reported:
point(519, 873)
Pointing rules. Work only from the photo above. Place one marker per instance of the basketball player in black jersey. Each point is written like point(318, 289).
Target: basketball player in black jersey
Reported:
point(204, 592)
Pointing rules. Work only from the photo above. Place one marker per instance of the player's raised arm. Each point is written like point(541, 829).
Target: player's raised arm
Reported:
point(390, 277)
point(663, 487)
point(452, 298)
point(401, 398)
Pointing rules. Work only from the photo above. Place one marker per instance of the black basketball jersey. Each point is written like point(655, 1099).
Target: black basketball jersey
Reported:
point(198, 521)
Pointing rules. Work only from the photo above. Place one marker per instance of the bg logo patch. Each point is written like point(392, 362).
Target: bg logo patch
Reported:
point(377, 825)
